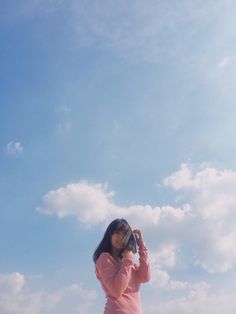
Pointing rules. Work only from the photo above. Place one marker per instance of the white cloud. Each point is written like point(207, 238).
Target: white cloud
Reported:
point(13, 282)
point(64, 127)
point(200, 301)
point(14, 299)
point(212, 233)
point(14, 148)
point(205, 225)
point(180, 178)
point(17, 296)
point(148, 28)
point(92, 203)
point(165, 256)
point(160, 277)
point(173, 296)
point(89, 203)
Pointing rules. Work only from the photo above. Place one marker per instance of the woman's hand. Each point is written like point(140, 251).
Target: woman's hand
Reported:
point(139, 236)
point(127, 254)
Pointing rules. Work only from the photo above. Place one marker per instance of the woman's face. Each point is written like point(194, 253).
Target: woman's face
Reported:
point(117, 239)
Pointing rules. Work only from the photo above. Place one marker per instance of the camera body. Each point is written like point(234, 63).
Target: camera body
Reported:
point(130, 243)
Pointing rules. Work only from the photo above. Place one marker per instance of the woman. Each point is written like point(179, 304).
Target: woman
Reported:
point(120, 278)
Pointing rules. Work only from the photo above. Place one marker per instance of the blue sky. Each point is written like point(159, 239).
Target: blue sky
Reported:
point(117, 109)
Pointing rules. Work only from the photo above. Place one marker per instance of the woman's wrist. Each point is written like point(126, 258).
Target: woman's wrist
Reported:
point(141, 244)
point(139, 238)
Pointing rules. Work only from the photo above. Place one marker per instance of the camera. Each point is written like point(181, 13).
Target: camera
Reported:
point(130, 243)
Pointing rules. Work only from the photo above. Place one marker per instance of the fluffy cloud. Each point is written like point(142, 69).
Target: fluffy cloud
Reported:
point(165, 256)
point(13, 297)
point(14, 148)
point(13, 282)
point(212, 233)
point(17, 297)
point(198, 301)
point(162, 279)
point(204, 225)
point(92, 203)
point(89, 203)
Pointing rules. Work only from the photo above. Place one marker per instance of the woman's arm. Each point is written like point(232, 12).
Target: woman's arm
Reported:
point(143, 270)
point(114, 281)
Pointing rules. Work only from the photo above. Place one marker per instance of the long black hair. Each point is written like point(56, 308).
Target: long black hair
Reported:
point(117, 225)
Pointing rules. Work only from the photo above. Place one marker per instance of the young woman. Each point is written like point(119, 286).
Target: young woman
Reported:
point(120, 278)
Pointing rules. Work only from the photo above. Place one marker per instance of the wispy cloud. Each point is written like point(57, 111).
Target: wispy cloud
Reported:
point(28, 9)
point(64, 116)
point(149, 30)
point(226, 61)
point(14, 148)
point(64, 127)
point(65, 109)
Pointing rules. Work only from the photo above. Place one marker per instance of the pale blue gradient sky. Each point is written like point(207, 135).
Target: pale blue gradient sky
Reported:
point(118, 94)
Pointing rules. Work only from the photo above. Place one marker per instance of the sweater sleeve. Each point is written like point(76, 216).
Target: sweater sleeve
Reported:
point(115, 281)
point(143, 270)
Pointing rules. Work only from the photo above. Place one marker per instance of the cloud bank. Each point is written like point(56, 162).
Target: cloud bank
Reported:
point(204, 224)
point(17, 296)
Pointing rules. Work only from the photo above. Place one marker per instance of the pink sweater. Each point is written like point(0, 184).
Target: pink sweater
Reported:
point(121, 281)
